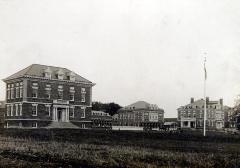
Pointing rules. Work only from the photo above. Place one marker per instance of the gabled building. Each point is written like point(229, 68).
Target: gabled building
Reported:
point(192, 115)
point(140, 113)
point(47, 96)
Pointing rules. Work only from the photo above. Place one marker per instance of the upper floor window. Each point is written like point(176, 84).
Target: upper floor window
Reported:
point(47, 73)
point(20, 89)
point(8, 91)
point(34, 89)
point(17, 90)
point(83, 94)
point(34, 93)
point(60, 74)
point(72, 93)
point(71, 76)
point(48, 91)
point(12, 91)
point(60, 92)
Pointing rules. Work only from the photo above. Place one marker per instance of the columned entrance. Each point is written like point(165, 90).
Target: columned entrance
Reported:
point(60, 113)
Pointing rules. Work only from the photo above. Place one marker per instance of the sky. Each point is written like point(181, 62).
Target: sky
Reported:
point(151, 50)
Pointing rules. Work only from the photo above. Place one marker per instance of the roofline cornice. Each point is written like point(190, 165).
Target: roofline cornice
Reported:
point(42, 78)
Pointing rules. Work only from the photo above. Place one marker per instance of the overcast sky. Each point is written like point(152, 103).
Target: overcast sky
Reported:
point(150, 50)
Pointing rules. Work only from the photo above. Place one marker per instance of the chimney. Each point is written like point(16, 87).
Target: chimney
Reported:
point(192, 100)
point(221, 102)
point(207, 100)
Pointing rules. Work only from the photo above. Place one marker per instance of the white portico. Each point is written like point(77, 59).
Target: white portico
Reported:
point(60, 111)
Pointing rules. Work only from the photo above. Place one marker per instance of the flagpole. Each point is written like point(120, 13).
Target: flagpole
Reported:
point(205, 101)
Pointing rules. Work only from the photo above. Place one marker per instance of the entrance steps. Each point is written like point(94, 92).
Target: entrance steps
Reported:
point(55, 124)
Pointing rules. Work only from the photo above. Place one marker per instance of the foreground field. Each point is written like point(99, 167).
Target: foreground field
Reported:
point(116, 149)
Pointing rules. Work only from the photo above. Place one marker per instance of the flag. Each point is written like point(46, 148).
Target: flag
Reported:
point(205, 70)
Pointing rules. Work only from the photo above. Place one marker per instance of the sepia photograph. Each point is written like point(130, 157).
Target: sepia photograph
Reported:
point(119, 83)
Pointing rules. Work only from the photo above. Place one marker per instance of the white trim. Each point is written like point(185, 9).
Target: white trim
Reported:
point(28, 102)
point(78, 82)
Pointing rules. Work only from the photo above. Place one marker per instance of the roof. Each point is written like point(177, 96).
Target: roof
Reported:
point(200, 102)
point(142, 105)
point(37, 70)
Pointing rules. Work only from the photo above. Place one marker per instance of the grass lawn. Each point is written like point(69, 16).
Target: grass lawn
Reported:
point(117, 149)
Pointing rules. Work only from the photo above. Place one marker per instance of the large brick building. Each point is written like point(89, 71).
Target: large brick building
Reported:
point(192, 115)
point(47, 96)
point(140, 113)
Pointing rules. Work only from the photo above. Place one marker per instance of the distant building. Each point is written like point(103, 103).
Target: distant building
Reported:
point(101, 119)
point(140, 113)
point(2, 112)
point(192, 115)
point(47, 96)
point(229, 117)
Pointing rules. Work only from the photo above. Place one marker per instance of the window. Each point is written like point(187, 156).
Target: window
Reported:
point(71, 112)
point(83, 109)
point(83, 94)
point(48, 109)
point(48, 91)
point(11, 111)
point(17, 90)
point(34, 89)
point(60, 92)
point(34, 110)
point(8, 91)
point(21, 90)
point(20, 109)
point(34, 93)
point(16, 109)
point(12, 91)
point(48, 94)
point(72, 92)
point(8, 110)
point(71, 96)
point(34, 125)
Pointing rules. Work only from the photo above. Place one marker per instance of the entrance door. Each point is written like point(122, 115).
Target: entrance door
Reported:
point(59, 114)
point(192, 124)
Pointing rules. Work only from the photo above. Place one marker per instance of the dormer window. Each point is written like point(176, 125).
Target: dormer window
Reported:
point(47, 73)
point(71, 76)
point(60, 74)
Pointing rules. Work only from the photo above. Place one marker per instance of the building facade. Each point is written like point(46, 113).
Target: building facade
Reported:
point(139, 114)
point(192, 115)
point(101, 119)
point(47, 96)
